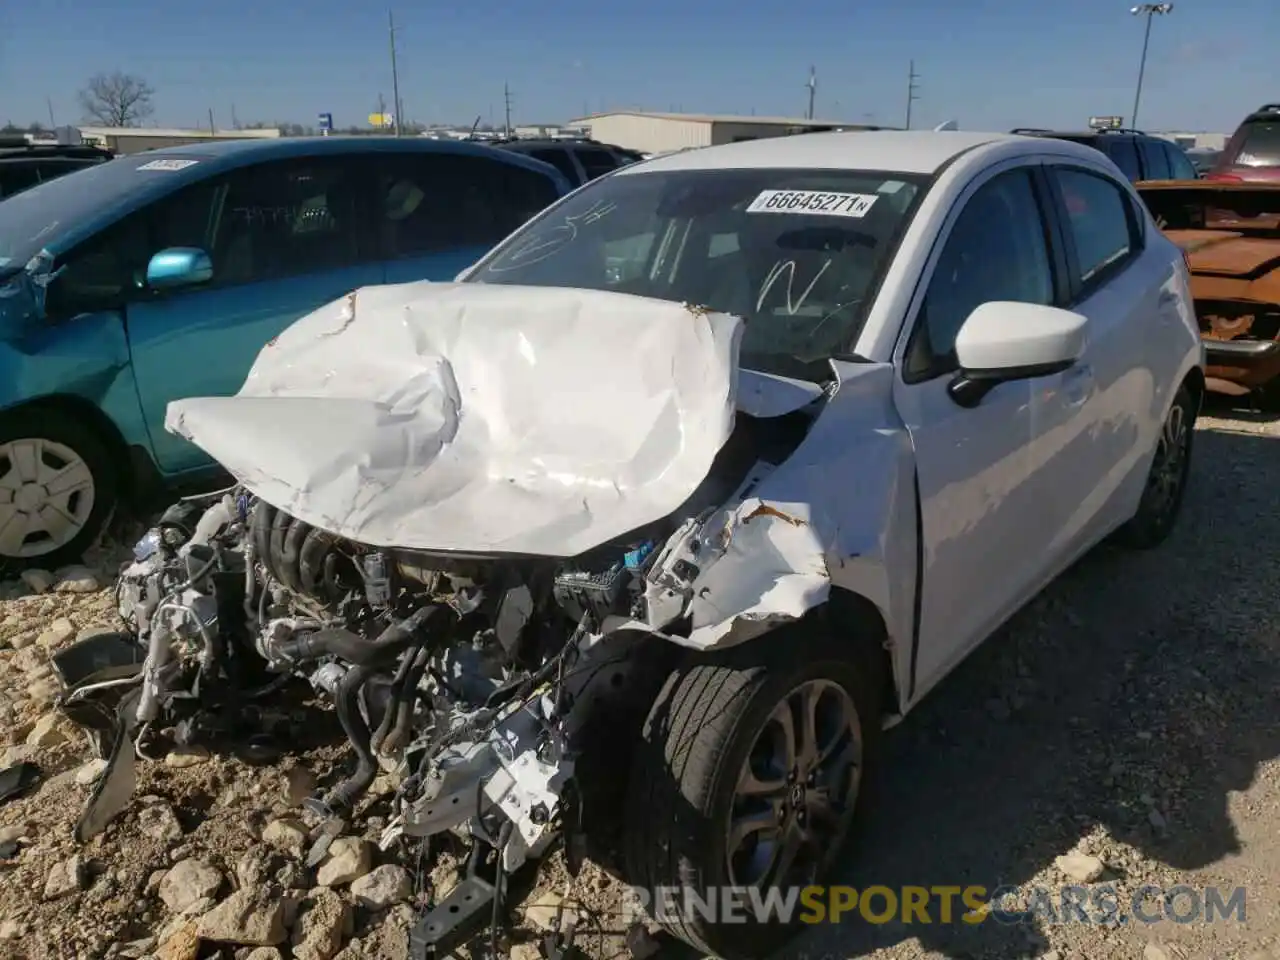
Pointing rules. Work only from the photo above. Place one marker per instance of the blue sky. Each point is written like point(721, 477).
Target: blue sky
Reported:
point(990, 64)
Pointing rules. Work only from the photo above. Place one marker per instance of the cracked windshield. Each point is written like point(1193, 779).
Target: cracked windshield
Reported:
point(669, 482)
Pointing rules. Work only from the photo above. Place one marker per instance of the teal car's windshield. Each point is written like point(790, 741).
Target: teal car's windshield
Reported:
point(798, 254)
point(32, 219)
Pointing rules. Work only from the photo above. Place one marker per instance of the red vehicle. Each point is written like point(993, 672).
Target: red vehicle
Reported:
point(1252, 155)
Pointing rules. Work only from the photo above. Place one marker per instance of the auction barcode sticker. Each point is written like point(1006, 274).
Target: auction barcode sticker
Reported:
point(812, 201)
point(168, 163)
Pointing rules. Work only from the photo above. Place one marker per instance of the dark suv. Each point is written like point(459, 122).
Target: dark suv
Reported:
point(1139, 155)
point(24, 164)
point(1253, 152)
point(579, 160)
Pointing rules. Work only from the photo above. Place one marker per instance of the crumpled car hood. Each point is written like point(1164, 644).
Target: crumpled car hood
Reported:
point(484, 419)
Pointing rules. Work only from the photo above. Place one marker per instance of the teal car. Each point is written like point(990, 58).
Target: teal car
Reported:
point(161, 275)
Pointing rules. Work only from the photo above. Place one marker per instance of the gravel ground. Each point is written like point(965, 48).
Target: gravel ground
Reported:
point(1127, 715)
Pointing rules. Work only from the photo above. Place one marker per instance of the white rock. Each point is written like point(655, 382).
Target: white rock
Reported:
point(1081, 867)
point(77, 580)
point(157, 821)
point(18, 831)
point(322, 920)
point(59, 632)
point(22, 640)
point(181, 757)
point(38, 581)
point(544, 912)
point(187, 882)
point(249, 917)
point(1154, 952)
point(298, 784)
point(91, 772)
point(12, 930)
point(382, 887)
point(348, 858)
point(286, 834)
point(65, 878)
point(49, 731)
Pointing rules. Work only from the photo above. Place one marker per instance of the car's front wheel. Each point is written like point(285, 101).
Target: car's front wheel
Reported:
point(1167, 479)
point(749, 774)
point(57, 488)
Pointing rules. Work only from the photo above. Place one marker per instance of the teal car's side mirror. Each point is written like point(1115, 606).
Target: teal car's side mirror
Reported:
point(179, 267)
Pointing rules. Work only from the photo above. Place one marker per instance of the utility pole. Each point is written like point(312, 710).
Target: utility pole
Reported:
point(212, 129)
point(506, 96)
point(49, 103)
point(812, 84)
point(395, 76)
point(1150, 9)
point(235, 121)
point(912, 88)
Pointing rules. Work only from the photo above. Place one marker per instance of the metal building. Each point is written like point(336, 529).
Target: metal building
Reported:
point(127, 140)
point(659, 132)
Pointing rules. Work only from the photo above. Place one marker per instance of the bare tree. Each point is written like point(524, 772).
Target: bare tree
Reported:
point(117, 99)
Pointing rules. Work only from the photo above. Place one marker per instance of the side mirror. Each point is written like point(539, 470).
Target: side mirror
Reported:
point(1004, 340)
point(179, 267)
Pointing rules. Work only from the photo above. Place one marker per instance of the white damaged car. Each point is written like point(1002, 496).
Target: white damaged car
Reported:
point(637, 536)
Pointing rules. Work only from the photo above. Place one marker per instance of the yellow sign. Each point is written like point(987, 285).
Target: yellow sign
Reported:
point(380, 120)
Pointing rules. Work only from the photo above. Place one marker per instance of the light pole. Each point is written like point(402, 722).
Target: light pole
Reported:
point(1150, 9)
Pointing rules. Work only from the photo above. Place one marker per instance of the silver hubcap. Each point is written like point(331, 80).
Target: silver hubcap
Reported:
point(1170, 462)
point(797, 790)
point(46, 497)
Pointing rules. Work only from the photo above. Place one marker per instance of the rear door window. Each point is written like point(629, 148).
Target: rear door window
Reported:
point(1124, 154)
point(596, 162)
point(559, 159)
point(1261, 144)
point(1155, 161)
point(17, 176)
point(1101, 222)
point(431, 203)
point(1180, 165)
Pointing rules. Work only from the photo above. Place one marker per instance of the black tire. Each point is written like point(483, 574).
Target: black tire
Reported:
point(695, 741)
point(1166, 485)
point(41, 423)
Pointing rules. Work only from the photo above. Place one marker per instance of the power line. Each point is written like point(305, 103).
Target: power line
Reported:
point(912, 91)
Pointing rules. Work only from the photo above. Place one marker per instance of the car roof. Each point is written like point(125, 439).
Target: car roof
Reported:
point(285, 147)
point(902, 151)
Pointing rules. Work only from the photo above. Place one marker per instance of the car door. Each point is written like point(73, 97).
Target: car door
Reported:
point(285, 238)
point(1121, 293)
point(981, 485)
point(441, 212)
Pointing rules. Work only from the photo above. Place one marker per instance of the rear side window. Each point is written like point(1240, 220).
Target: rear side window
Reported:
point(1155, 160)
point(1180, 165)
point(596, 162)
point(1261, 144)
point(437, 202)
point(559, 159)
point(15, 177)
point(1101, 222)
point(1124, 154)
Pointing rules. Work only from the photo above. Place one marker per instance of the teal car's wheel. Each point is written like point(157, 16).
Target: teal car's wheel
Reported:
point(58, 488)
